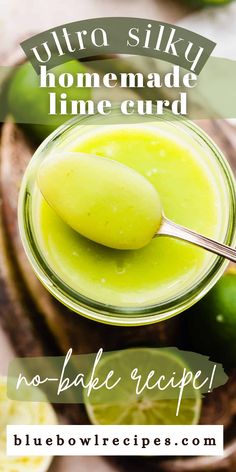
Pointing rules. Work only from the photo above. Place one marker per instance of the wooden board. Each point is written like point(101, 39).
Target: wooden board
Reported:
point(39, 325)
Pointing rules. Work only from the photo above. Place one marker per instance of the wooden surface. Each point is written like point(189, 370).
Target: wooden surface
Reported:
point(18, 23)
point(45, 327)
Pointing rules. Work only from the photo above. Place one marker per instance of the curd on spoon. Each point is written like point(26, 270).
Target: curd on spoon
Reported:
point(101, 199)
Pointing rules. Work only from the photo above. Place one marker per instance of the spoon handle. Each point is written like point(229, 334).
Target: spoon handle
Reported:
point(169, 228)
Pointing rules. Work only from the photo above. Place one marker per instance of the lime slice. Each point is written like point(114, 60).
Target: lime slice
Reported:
point(122, 405)
point(15, 413)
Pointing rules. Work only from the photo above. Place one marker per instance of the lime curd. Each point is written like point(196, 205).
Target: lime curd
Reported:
point(115, 206)
point(192, 193)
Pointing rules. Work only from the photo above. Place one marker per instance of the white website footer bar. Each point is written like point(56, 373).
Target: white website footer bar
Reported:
point(89, 440)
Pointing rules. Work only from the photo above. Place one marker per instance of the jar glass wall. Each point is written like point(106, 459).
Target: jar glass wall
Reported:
point(127, 308)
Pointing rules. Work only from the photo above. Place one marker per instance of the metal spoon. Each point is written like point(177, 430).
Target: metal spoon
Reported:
point(169, 228)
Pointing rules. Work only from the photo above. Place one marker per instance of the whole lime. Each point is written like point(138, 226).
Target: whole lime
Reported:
point(29, 103)
point(211, 324)
point(205, 3)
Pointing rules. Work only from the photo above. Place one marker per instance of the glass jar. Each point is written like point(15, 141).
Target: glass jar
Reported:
point(61, 139)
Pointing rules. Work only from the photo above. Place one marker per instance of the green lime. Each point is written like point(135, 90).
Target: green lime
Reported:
point(29, 103)
point(211, 323)
point(123, 405)
point(205, 3)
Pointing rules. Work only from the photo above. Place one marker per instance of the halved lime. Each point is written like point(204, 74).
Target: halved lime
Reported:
point(16, 413)
point(123, 405)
